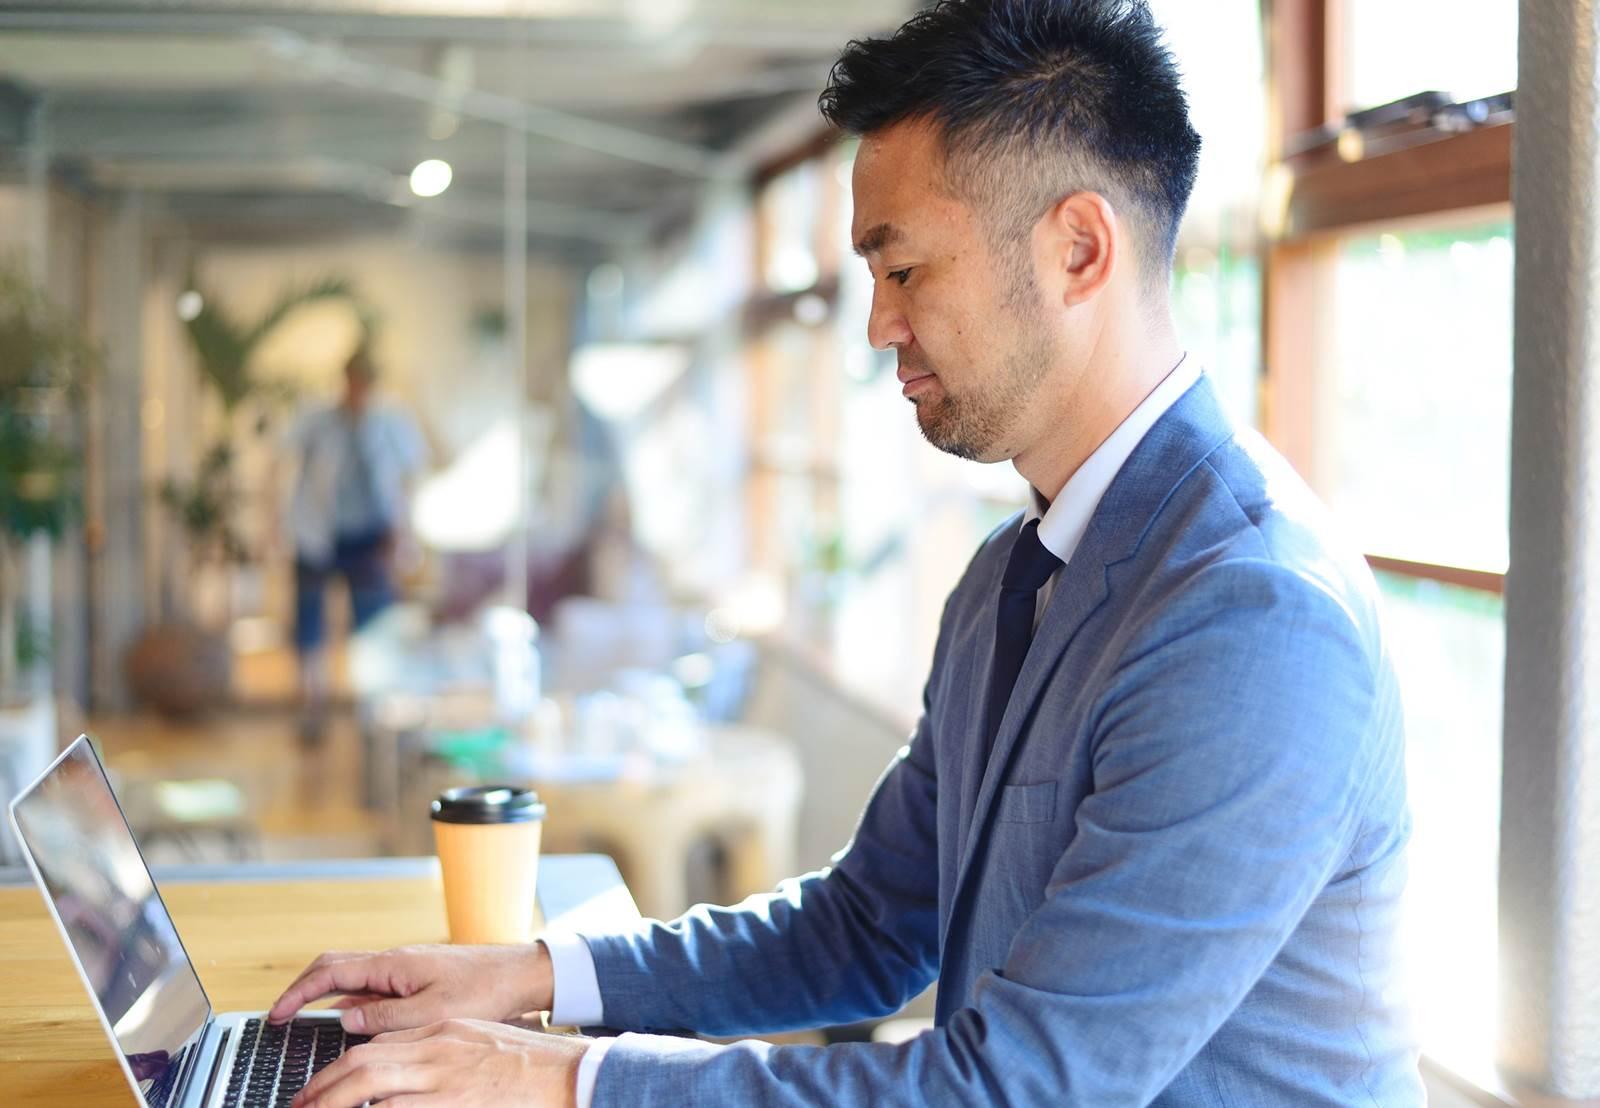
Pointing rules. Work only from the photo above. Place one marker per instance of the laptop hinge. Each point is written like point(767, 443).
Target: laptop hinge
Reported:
point(216, 1065)
point(186, 1078)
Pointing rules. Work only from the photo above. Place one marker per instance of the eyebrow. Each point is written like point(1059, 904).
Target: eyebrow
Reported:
point(873, 242)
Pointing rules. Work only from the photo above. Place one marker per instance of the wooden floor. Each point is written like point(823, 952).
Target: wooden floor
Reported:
point(305, 803)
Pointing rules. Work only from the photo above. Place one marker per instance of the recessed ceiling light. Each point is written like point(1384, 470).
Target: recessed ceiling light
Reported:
point(431, 177)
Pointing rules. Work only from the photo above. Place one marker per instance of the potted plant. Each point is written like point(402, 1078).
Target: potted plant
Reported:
point(44, 362)
point(225, 350)
point(182, 665)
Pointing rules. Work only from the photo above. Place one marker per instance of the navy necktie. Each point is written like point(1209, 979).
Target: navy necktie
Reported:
point(1029, 567)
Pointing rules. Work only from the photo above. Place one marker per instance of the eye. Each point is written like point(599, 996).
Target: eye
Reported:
point(899, 276)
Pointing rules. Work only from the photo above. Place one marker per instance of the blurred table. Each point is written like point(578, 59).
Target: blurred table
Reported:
point(249, 930)
point(741, 794)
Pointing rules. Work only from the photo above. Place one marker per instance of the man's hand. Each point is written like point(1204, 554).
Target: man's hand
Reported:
point(415, 986)
point(455, 1064)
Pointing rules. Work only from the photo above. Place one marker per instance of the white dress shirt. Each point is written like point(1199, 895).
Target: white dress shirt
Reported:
point(576, 1001)
point(1063, 521)
point(323, 442)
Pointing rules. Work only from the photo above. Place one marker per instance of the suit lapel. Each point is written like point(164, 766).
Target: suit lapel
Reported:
point(1180, 440)
point(972, 722)
point(1080, 590)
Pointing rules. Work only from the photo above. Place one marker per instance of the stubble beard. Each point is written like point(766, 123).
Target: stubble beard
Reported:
point(976, 424)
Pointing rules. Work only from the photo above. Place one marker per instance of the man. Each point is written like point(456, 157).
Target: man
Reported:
point(1148, 834)
point(348, 517)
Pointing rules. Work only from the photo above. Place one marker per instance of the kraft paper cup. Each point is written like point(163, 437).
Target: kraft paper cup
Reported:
point(488, 842)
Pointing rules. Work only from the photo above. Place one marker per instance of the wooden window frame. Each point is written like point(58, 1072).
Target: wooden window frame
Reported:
point(1316, 197)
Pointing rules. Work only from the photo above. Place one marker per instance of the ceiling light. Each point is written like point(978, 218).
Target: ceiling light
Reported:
point(431, 177)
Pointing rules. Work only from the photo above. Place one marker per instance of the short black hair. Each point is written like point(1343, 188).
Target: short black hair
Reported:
point(1034, 100)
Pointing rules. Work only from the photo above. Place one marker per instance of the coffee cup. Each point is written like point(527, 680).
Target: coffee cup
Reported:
point(487, 837)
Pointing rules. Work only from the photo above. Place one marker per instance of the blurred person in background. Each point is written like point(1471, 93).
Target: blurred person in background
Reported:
point(349, 517)
point(1149, 834)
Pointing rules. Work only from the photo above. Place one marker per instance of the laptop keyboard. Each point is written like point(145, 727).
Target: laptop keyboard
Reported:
point(275, 1061)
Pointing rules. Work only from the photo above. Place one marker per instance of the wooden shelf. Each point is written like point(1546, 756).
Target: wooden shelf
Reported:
point(1452, 172)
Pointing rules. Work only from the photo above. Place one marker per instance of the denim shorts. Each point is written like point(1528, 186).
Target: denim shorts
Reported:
point(362, 560)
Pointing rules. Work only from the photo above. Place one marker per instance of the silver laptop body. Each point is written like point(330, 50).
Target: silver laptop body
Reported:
point(173, 1050)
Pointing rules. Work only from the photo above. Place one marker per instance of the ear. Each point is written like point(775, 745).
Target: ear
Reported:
point(1083, 239)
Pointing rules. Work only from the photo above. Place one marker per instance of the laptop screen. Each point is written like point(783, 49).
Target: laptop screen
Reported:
point(114, 920)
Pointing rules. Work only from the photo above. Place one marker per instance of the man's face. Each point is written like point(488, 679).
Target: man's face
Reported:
point(357, 387)
point(969, 325)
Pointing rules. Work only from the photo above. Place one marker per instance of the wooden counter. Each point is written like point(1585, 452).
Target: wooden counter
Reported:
point(249, 931)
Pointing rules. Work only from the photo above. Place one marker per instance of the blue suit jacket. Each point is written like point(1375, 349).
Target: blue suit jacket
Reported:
point(1175, 880)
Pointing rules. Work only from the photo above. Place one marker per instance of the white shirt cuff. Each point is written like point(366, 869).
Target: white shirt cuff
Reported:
point(589, 1070)
point(576, 989)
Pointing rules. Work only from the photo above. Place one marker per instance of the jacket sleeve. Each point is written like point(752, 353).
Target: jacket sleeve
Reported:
point(1231, 751)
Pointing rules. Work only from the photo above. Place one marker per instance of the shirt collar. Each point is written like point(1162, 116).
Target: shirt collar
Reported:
point(1063, 521)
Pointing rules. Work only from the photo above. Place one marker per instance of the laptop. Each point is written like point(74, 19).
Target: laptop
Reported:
point(173, 1050)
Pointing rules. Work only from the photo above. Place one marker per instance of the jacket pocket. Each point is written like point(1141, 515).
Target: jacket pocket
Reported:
point(1028, 803)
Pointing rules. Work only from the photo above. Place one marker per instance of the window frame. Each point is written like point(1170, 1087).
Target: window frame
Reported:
point(1317, 197)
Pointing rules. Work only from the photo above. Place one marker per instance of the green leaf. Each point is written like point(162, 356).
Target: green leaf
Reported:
point(225, 346)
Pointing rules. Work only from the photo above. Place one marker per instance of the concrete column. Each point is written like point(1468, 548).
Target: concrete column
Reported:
point(69, 580)
point(515, 249)
point(1550, 837)
point(37, 161)
point(118, 498)
point(34, 571)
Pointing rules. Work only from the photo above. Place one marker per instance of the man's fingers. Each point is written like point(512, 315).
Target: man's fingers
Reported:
point(337, 1070)
point(410, 1035)
point(367, 1072)
point(317, 964)
point(469, 1030)
point(390, 1014)
point(353, 1000)
point(377, 1082)
point(327, 957)
point(365, 974)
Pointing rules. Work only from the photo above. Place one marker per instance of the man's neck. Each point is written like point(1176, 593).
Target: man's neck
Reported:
point(1109, 394)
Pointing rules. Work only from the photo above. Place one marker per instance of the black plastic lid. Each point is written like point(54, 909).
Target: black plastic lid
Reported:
point(488, 804)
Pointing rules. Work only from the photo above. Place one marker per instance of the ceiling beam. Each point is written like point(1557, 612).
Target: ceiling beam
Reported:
point(345, 67)
point(363, 182)
point(820, 38)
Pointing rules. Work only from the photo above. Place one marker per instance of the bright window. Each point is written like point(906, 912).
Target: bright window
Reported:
point(1394, 48)
point(1448, 646)
point(1416, 431)
point(1216, 292)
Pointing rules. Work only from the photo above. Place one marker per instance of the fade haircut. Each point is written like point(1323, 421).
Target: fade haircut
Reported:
point(1035, 100)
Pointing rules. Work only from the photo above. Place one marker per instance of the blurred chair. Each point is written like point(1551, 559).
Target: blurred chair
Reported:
point(743, 797)
point(199, 820)
point(843, 745)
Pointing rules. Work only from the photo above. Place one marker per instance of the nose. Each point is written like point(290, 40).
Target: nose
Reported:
point(887, 328)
